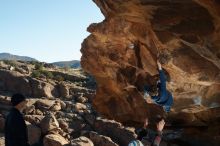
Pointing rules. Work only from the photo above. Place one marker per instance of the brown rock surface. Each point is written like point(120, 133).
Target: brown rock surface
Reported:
point(101, 140)
point(49, 124)
point(185, 35)
point(82, 141)
point(16, 82)
point(54, 140)
point(116, 131)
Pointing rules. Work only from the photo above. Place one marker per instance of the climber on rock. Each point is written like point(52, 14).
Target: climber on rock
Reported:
point(158, 92)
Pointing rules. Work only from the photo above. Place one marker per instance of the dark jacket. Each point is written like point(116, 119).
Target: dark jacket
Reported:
point(15, 129)
point(164, 98)
point(149, 137)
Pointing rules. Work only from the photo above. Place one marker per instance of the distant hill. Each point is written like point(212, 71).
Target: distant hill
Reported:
point(7, 56)
point(71, 64)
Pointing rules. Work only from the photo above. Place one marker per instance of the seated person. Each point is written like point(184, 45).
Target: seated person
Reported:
point(149, 137)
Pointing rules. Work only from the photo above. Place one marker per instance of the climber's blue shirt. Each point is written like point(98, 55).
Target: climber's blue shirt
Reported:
point(164, 98)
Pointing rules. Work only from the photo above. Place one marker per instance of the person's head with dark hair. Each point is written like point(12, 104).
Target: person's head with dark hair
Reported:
point(159, 118)
point(18, 101)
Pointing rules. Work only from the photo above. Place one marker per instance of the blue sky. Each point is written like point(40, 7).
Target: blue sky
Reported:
point(48, 30)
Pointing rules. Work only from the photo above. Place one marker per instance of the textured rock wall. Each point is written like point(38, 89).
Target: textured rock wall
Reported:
point(184, 34)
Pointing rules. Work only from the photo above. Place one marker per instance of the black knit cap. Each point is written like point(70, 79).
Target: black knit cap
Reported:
point(17, 98)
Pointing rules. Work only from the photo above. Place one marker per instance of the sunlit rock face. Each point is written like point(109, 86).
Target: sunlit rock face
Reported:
point(122, 51)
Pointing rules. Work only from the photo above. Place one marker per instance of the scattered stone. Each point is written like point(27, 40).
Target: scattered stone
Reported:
point(81, 99)
point(63, 105)
point(101, 140)
point(49, 124)
point(82, 141)
point(63, 90)
point(34, 119)
point(63, 125)
point(80, 106)
point(38, 112)
point(54, 140)
point(44, 104)
point(56, 106)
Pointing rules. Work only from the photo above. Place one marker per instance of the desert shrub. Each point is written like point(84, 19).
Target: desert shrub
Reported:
point(59, 78)
point(36, 74)
point(48, 74)
point(10, 62)
point(38, 66)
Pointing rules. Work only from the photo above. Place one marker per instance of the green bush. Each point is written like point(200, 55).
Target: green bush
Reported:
point(38, 66)
point(66, 68)
point(10, 62)
point(36, 74)
point(59, 78)
point(48, 74)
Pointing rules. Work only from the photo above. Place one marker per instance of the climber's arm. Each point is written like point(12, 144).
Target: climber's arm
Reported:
point(162, 78)
point(157, 139)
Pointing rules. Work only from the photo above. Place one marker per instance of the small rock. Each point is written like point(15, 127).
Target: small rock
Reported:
point(101, 140)
point(63, 90)
point(49, 124)
point(34, 119)
point(63, 125)
point(80, 106)
point(82, 141)
point(56, 106)
point(82, 99)
point(38, 112)
point(54, 140)
point(63, 105)
point(44, 104)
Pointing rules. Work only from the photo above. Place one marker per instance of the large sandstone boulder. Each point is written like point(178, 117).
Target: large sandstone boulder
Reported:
point(16, 82)
point(195, 116)
point(54, 140)
point(42, 89)
point(122, 51)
